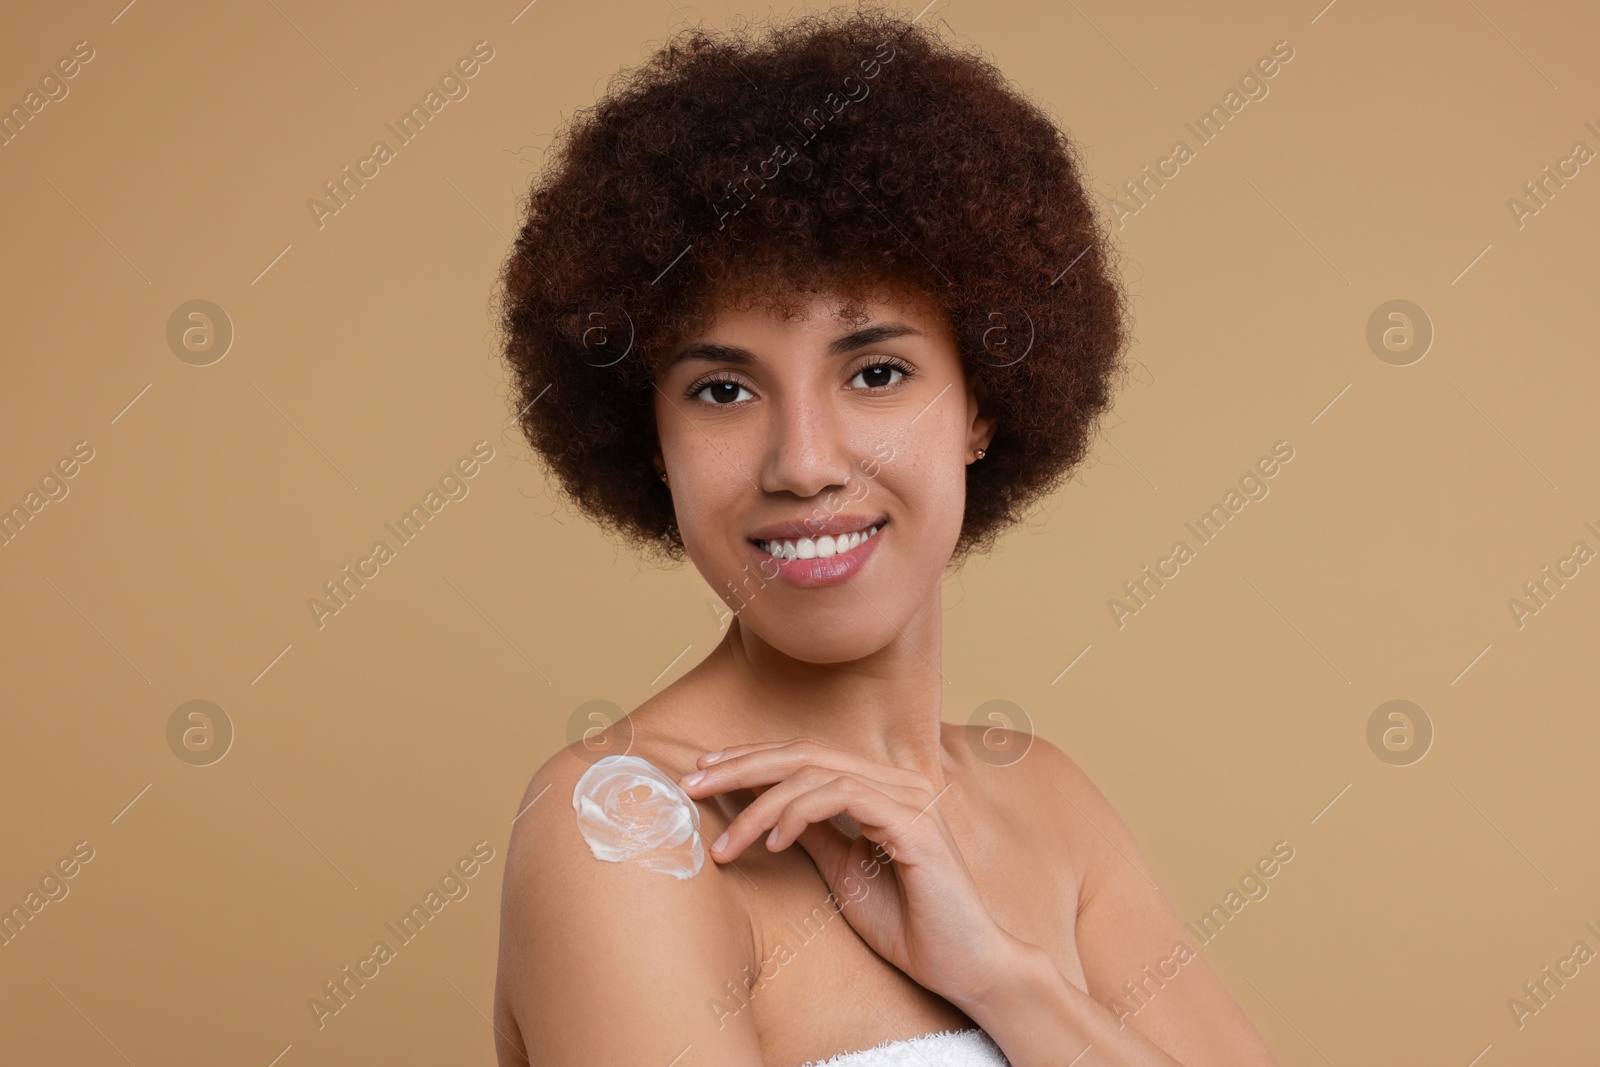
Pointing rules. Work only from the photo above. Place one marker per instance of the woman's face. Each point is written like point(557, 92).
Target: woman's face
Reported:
point(803, 434)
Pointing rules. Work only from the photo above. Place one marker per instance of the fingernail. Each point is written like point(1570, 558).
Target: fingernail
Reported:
point(694, 778)
point(772, 838)
point(721, 842)
point(712, 757)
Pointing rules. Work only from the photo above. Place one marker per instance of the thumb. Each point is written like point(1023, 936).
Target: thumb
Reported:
point(830, 849)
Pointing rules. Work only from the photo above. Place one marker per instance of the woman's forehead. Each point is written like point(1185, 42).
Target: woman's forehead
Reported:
point(816, 307)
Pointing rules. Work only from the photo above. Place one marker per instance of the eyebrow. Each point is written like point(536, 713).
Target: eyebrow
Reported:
point(715, 353)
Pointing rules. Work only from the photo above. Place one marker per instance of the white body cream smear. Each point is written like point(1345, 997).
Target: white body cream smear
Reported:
point(630, 811)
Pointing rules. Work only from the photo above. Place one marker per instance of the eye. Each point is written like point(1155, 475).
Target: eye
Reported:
point(724, 391)
point(879, 371)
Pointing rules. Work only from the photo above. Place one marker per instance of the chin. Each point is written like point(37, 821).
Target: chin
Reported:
point(812, 641)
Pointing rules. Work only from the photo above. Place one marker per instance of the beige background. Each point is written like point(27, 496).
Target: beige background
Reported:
point(372, 753)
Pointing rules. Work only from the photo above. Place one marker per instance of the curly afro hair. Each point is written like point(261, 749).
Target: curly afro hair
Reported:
point(841, 152)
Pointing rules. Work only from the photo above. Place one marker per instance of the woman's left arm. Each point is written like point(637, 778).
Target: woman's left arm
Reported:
point(1163, 1003)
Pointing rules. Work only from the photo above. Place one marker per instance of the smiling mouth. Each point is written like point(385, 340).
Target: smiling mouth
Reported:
point(817, 547)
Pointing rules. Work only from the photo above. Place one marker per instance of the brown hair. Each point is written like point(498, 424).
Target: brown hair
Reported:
point(848, 150)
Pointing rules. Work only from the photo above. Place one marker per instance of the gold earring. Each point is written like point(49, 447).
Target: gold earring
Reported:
point(980, 453)
point(663, 475)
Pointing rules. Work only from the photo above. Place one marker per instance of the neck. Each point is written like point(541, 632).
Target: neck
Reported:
point(884, 706)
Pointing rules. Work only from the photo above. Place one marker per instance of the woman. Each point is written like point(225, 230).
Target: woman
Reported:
point(824, 311)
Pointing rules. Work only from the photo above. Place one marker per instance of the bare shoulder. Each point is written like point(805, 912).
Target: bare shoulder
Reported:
point(1035, 782)
point(1063, 805)
point(1095, 831)
point(612, 908)
point(1138, 957)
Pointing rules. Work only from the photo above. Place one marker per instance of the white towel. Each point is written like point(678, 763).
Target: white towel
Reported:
point(947, 1048)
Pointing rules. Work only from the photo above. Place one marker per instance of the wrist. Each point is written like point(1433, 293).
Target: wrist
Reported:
point(1015, 967)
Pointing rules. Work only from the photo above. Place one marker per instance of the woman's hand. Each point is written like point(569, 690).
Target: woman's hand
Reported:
point(920, 908)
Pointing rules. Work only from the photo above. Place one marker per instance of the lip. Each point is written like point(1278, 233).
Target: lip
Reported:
point(811, 573)
point(832, 526)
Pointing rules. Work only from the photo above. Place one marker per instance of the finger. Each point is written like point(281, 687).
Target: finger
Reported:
point(737, 750)
point(761, 813)
point(753, 746)
point(838, 856)
point(760, 746)
point(747, 767)
point(883, 819)
point(892, 836)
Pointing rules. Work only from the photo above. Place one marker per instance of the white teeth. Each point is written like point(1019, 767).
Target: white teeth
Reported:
point(819, 548)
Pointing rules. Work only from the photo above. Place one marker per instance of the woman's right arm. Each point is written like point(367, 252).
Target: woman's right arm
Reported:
point(610, 962)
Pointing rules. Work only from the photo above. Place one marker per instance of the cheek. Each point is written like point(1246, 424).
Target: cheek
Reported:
point(947, 446)
point(949, 504)
point(927, 479)
point(707, 489)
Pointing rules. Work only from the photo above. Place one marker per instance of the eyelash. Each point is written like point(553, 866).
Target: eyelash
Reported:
point(906, 371)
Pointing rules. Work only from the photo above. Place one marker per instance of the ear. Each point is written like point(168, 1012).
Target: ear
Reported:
point(983, 429)
point(658, 461)
point(981, 426)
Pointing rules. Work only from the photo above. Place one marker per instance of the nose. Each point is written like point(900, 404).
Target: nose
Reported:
point(807, 447)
